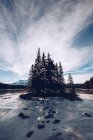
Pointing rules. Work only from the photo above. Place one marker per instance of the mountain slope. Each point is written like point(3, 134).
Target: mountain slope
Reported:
point(20, 82)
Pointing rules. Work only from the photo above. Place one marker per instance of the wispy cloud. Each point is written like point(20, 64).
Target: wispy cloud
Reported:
point(51, 25)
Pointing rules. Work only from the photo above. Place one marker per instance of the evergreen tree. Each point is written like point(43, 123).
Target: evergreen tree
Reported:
point(34, 81)
point(46, 77)
point(43, 72)
point(38, 59)
point(86, 85)
point(71, 85)
point(91, 83)
point(56, 78)
point(30, 78)
point(50, 73)
point(70, 79)
point(38, 72)
point(61, 79)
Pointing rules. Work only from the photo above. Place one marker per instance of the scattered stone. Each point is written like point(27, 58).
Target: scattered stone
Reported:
point(25, 108)
point(48, 102)
point(49, 116)
point(23, 116)
point(6, 98)
point(50, 110)
point(48, 121)
point(56, 121)
point(54, 129)
point(46, 107)
point(43, 121)
point(29, 134)
point(87, 115)
point(40, 126)
point(54, 111)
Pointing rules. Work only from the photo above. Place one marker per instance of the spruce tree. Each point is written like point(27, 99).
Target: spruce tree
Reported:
point(38, 59)
point(45, 76)
point(32, 79)
point(29, 85)
point(50, 73)
point(61, 79)
point(71, 85)
point(38, 72)
point(43, 72)
point(56, 78)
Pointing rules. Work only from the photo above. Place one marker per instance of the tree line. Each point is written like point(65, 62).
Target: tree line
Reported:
point(46, 77)
point(88, 84)
point(9, 86)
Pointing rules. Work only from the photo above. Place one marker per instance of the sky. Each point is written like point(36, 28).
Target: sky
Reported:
point(62, 27)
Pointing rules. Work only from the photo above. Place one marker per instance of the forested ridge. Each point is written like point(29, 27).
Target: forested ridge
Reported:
point(88, 84)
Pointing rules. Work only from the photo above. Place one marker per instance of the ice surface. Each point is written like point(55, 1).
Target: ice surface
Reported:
point(73, 124)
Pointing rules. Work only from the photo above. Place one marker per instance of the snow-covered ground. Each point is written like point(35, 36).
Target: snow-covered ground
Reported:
point(71, 122)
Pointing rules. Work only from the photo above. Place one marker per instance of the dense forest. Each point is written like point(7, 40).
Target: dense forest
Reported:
point(88, 84)
point(9, 86)
point(47, 78)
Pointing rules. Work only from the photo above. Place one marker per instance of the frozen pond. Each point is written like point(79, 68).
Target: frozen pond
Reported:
point(73, 124)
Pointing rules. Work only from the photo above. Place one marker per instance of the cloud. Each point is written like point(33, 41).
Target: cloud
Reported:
point(80, 78)
point(51, 25)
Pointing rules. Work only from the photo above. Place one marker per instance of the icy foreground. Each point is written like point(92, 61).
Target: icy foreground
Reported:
point(51, 119)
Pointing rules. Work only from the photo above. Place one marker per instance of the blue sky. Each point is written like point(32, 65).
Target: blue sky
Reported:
point(62, 27)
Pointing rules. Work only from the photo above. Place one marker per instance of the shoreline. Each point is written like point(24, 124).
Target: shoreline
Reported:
point(30, 96)
point(4, 91)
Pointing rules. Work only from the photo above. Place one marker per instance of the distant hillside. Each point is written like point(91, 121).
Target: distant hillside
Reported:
point(20, 82)
point(75, 85)
point(9, 86)
point(88, 84)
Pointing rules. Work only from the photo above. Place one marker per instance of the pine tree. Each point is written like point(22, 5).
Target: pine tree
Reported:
point(43, 72)
point(56, 73)
point(50, 73)
point(38, 72)
point(30, 79)
point(71, 85)
point(61, 79)
point(56, 78)
point(38, 59)
point(46, 77)
point(70, 79)
point(34, 81)
point(86, 85)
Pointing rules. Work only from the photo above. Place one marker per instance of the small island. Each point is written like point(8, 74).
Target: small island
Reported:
point(46, 79)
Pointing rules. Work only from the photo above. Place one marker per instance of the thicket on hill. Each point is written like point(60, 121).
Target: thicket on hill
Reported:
point(88, 84)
